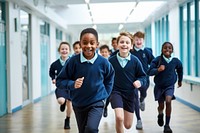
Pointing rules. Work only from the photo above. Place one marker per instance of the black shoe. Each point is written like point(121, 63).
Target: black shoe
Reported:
point(160, 120)
point(105, 113)
point(62, 107)
point(67, 122)
point(167, 129)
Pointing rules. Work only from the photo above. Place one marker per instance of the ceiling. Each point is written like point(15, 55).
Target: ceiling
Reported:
point(106, 15)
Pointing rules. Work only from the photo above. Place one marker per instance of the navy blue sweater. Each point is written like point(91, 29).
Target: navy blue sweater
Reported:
point(145, 56)
point(124, 77)
point(167, 77)
point(55, 69)
point(97, 84)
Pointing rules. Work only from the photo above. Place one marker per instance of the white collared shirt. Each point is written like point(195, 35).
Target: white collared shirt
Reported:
point(123, 61)
point(167, 59)
point(83, 59)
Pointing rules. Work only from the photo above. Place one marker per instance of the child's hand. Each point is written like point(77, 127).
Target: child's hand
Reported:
point(78, 82)
point(161, 68)
point(179, 84)
point(54, 81)
point(137, 84)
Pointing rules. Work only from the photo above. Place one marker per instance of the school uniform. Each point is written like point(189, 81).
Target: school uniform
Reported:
point(88, 100)
point(145, 56)
point(54, 70)
point(165, 80)
point(127, 70)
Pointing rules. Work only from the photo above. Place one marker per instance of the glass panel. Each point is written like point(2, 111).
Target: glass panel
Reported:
point(1, 11)
point(185, 39)
point(199, 43)
point(24, 20)
point(192, 37)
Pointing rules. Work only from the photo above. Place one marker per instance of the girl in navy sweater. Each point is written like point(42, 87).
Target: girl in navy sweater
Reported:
point(89, 77)
point(129, 75)
point(62, 96)
point(166, 70)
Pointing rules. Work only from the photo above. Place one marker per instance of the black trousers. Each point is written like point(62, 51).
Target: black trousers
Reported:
point(88, 118)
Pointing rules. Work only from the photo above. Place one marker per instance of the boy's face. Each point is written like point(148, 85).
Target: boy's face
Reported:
point(114, 44)
point(138, 42)
point(77, 49)
point(88, 44)
point(124, 45)
point(105, 53)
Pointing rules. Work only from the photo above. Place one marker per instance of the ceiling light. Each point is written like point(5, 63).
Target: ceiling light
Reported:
point(121, 26)
point(87, 1)
point(94, 26)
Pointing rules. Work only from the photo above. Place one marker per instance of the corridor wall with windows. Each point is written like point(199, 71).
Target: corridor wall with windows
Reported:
point(181, 26)
point(178, 24)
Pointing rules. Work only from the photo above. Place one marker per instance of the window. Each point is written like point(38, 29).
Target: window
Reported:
point(189, 37)
point(161, 33)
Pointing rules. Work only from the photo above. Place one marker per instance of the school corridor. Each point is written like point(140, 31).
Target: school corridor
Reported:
point(30, 34)
point(45, 117)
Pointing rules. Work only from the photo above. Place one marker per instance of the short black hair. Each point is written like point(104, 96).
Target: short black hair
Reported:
point(89, 30)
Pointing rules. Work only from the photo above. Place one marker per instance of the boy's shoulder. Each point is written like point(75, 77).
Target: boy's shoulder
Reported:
point(134, 58)
point(148, 49)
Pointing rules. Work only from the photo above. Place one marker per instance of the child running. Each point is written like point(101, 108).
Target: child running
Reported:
point(89, 77)
point(144, 54)
point(105, 52)
point(63, 96)
point(166, 70)
point(129, 75)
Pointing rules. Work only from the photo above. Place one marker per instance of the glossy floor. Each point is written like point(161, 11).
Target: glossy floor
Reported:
point(45, 117)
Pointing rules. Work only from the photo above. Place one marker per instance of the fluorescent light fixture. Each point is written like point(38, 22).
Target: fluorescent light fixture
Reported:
point(121, 26)
point(87, 1)
point(94, 26)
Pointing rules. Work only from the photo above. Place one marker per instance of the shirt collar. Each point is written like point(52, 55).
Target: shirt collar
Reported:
point(126, 58)
point(62, 61)
point(83, 59)
point(167, 59)
point(137, 49)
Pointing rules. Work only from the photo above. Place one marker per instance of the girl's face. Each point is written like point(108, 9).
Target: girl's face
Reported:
point(105, 53)
point(64, 50)
point(167, 50)
point(138, 42)
point(77, 49)
point(88, 44)
point(124, 46)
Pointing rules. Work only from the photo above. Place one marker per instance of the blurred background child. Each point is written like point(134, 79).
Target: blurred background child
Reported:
point(63, 96)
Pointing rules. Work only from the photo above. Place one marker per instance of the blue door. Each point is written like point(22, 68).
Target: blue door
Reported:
point(3, 86)
point(44, 52)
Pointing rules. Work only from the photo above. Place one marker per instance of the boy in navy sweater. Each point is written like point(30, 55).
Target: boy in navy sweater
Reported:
point(166, 70)
point(129, 75)
point(63, 96)
point(89, 77)
point(145, 56)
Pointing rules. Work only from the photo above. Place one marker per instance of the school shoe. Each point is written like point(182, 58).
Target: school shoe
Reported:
point(142, 105)
point(139, 125)
point(62, 107)
point(67, 123)
point(105, 112)
point(160, 120)
point(167, 129)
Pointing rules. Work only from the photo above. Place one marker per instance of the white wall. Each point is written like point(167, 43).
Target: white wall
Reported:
point(35, 58)
point(174, 29)
point(14, 59)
